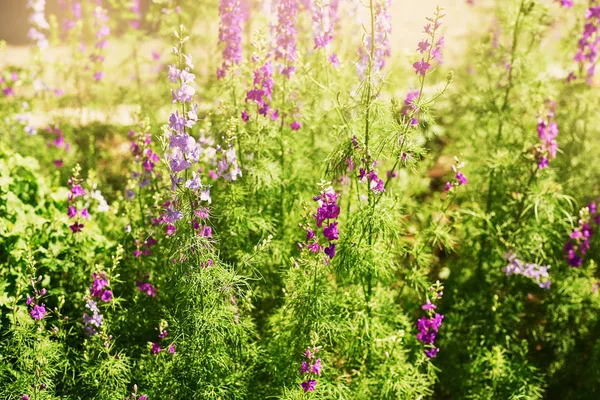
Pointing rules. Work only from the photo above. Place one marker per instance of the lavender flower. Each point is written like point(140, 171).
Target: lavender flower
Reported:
point(430, 51)
point(460, 178)
point(310, 369)
point(547, 131)
point(285, 35)
point(379, 45)
point(587, 46)
point(38, 312)
point(327, 213)
point(533, 271)
point(102, 31)
point(579, 241)
point(230, 33)
point(38, 23)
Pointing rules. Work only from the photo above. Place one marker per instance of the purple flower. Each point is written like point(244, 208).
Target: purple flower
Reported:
point(230, 33)
point(428, 306)
point(76, 227)
point(285, 34)
point(309, 386)
point(296, 126)
point(24, 397)
point(172, 348)
point(331, 231)
point(421, 67)
point(382, 50)
point(155, 348)
point(432, 352)
point(316, 367)
point(77, 191)
point(38, 312)
point(305, 368)
point(107, 296)
point(330, 251)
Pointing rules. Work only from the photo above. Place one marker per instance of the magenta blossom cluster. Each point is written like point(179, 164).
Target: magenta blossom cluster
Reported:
point(102, 32)
point(92, 322)
point(429, 325)
point(143, 247)
point(99, 284)
point(430, 48)
point(73, 212)
point(230, 33)
point(58, 141)
point(184, 151)
point(74, 10)
point(376, 184)
point(565, 3)
point(325, 17)
point(227, 166)
point(310, 370)
point(326, 217)
point(379, 44)
point(39, 25)
point(8, 83)
point(136, 9)
point(38, 311)
point(262, 92)
point(459, 178)
point(579, 241)
point(411, 109)
point(155, 346)
point(146, 287)
point(587, 47)
point(536, 272)
point(285, 35)
point(547, 130)
point(145, 157)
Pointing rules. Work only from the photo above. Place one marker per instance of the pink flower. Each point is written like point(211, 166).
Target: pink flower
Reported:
point(421, 67)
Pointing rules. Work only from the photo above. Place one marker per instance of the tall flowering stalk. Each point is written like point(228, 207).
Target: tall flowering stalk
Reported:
point(184, 151)
point(76, 211)
point(536, 272)
point(376, 47)
point(579, 241)
point(547, 130)
point(39, 25)
point(588, 44)
point(102, 32)
point(325, 17)
point(310, 369)
point(230, 34)
point(136, 9)
point(326, 219)
point(428, 326)
point(285, 35)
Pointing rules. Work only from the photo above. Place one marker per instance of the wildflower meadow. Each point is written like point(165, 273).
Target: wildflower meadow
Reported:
point(274, 199)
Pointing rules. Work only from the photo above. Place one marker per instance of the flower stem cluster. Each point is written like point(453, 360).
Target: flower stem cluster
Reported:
point(285, 35)
point(579, 241)
point(547, 130)
point(38, 311)
point(429, 325)
point(39, 25)
point(536, 272)
point(459, 178)
point(230, 33)
point(587, 47)
point(376, 46)
point(430, 49)
point(102, 31)
point(310, 369)
point(75, 211)
point(326, 216)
